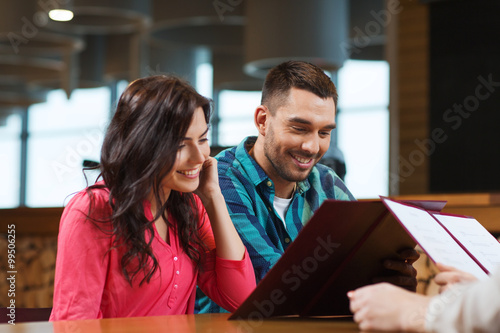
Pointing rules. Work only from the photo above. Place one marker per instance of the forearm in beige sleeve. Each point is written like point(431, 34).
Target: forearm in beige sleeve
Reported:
point(473, 307)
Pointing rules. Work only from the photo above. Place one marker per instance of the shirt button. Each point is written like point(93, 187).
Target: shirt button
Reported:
point(177, 272)
point(175, 258)
point(287, 240)
point(269, 183)
point(175, 286)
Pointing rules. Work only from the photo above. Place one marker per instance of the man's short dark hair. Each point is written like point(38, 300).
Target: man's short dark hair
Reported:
point(295, 74)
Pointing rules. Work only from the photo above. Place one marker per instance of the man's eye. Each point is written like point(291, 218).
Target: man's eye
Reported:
point(299, 129)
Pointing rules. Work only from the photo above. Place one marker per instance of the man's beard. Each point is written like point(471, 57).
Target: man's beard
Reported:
point(281, 167)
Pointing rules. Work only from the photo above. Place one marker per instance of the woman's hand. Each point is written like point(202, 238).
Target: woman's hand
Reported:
point(389, 308)
point(209, 180)
point(228, 243)
point(448, 276)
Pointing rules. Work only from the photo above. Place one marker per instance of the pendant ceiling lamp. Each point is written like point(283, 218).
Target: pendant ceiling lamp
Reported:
point(214, 24)
point(15, 94)
point(102, 16)
point(181, 61)
point(126, 56)
point(117, 58)
point(23, 69)
point(91, 62)
point(367, 22)
point(88, 66)
point(229, 74)
point(29, 52)
point(309, 30)
point(20, 95)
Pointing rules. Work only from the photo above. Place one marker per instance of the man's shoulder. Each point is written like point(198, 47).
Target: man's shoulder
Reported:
point(234, 159)
point(226, 160)
point(321, 170)
point(324, 179)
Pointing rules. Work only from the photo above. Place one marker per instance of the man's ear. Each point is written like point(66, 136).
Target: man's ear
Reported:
point(260, 119)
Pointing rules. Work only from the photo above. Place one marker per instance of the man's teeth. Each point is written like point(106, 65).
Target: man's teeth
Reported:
point(302, 160)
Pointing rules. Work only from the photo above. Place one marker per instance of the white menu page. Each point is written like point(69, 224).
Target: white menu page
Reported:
point(433, 238)
point(478, 241)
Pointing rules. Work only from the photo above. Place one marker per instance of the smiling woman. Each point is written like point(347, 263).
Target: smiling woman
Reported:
point(138, 242)
point(192, 153)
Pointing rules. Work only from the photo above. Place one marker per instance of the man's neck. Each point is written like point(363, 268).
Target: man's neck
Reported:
point(282, 188)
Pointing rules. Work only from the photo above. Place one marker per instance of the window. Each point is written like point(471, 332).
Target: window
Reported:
point(10, 157)
point(236, 111)
point(363, 126)
point(64, 133)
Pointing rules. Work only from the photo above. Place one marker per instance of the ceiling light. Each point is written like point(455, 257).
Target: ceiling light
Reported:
point(61, 15)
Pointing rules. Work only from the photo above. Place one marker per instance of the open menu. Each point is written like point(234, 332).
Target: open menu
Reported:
point(342, 248)
point(454, 240)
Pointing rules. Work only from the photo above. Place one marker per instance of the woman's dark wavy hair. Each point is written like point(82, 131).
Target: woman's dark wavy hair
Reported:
point(139, 150)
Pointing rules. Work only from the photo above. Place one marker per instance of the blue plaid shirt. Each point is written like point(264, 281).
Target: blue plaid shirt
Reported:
point(249, 195)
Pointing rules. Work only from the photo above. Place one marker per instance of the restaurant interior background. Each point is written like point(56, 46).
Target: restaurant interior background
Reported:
point(418, 89)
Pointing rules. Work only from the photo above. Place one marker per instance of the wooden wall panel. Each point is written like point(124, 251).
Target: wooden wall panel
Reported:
point(31, 221)
point(410, 61)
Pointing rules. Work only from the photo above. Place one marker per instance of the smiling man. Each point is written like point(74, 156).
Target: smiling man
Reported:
point(273, 183)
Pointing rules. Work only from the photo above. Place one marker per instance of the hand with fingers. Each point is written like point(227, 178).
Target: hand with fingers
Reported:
point(209, 180)
point(388, 308)
point(449, 276)
point(400, 271)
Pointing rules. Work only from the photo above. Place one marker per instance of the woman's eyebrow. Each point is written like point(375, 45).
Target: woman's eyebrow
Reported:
point(202, 134)
point(206, 131)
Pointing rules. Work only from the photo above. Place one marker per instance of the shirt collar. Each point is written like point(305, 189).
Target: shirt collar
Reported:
point(251, 167)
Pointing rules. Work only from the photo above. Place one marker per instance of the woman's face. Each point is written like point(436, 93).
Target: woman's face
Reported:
point(191, 154)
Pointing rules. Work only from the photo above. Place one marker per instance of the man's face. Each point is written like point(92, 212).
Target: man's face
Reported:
point(298, 135)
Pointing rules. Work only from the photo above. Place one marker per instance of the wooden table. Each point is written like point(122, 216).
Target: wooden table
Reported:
point(214, 323)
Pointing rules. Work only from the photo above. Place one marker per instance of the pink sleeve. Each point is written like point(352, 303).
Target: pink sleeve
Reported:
point(82, 260)
point(227, 282)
